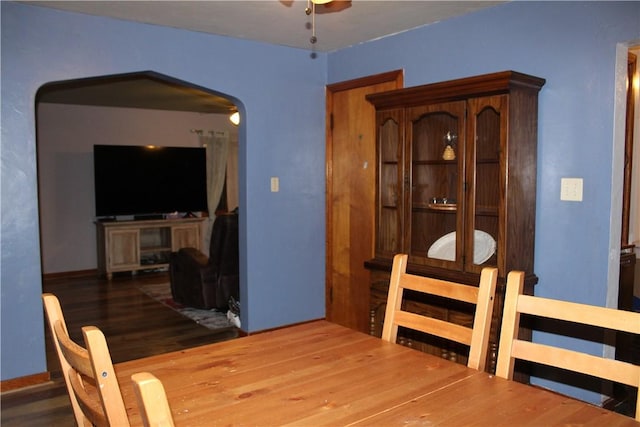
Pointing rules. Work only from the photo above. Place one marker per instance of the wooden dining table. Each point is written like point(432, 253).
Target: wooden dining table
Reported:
point(323, 374)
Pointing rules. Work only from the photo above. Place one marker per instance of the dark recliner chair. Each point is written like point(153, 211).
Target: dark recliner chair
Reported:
point(206, 283)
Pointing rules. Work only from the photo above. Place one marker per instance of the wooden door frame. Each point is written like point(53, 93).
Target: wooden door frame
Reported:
point(628, 151)
point(396, 76)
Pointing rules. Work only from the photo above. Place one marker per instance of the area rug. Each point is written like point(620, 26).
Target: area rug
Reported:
point(212, 319)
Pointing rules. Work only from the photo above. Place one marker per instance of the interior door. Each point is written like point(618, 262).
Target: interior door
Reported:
point(624, 346)
point(350, 167)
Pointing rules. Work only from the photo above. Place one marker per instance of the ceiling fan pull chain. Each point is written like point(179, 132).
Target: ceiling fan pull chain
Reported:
point(313, 24)
point(311, 10)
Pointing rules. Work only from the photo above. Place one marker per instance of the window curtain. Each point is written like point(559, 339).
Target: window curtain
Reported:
point(232, 175)
point(217, 148)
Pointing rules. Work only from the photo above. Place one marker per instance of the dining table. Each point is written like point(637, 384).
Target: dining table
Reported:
point(322, 374)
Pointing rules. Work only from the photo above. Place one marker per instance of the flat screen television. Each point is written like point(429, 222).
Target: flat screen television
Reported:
point(149, 181)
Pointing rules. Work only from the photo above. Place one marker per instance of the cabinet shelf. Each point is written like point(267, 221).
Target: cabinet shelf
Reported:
point(153, 249)
point(487, 210)
point(153, 265)
point(434, 162)
point(448, 207)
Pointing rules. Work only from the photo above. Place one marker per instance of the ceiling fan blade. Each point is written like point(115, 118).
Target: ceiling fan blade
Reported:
point(333, 6)
point(329, 7)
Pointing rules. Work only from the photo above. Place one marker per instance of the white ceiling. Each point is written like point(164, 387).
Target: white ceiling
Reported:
point(281, 22)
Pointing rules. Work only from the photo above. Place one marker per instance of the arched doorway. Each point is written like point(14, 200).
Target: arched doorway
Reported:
point(144, 108)
point(126, 109)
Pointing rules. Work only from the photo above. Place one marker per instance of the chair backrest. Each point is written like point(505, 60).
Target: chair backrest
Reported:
point(88, 372)
point(477, 337)
point(512, 348)
point(152, 400)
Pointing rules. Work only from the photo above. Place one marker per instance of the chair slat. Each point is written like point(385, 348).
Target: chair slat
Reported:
point(432, 326)
point(604, 317)
point(483, 296)
point(88, 402)
point(77, 356)
point(442, 288)
point(596, 366)
point(512, 348)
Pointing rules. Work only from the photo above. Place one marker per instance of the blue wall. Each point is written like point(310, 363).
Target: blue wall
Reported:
point(281, 90)
point(573, 46)
point(281, 93)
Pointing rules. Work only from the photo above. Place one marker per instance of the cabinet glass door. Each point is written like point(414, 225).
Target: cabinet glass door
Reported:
point(487, 124)
point(390, 184)
point(436, 147)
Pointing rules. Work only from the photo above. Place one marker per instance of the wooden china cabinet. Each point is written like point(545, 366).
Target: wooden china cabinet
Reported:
point(456, 190)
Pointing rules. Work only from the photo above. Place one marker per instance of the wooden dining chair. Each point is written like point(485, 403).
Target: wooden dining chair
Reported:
point(482, 296)
point(512, 348)
point(152, 400)
point(88, 372)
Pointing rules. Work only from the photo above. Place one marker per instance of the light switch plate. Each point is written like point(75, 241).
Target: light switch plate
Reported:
point(275, 184)
point(571, 189)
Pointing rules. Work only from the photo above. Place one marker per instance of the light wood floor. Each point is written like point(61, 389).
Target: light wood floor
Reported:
point(134, 324)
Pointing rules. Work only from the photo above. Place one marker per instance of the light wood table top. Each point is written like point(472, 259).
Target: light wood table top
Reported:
point(320, 373)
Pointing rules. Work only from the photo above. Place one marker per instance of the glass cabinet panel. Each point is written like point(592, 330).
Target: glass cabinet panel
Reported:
point(390, 188)
point(436, 144)
point(486, 122)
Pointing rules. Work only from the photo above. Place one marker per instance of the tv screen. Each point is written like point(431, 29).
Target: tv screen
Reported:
point(144, 181)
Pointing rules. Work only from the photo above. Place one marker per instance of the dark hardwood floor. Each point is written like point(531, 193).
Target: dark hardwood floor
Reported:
point(135, 326)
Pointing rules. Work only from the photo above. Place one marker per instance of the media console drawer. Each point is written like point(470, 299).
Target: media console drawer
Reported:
point(144, 245)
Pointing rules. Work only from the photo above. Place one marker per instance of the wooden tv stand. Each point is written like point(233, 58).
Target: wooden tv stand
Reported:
point(144, 244)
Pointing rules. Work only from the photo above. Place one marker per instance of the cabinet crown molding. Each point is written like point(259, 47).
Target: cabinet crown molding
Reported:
point(451, 90)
